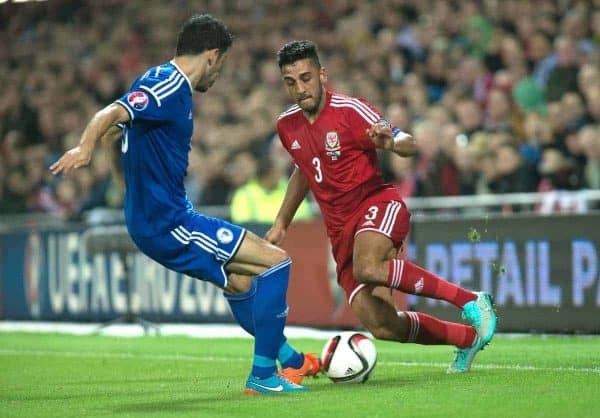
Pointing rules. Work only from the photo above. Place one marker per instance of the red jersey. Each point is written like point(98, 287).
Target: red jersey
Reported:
point(335, 154)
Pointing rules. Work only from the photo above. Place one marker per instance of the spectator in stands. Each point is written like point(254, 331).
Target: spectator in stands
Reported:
point(512, 175)
point(435, 172)
point(556, 122)
point(574, 114)
point(16, 193)
point(589, 140)
point(403, 175)
point(529, 97)
point(558, 176)
point(474, 79)
point(259, 199)
point(400, 115)
point(541, 58)
point(470, 117)
point(499, 116)
point(563, 77)
point(513, 58)
point(557, 172)
point(98, 192)
point(468, 174)
point(538, 135)
point(435, 76)
point(593, 103)
point(451, 139)
point(588, 78)
point(57, 66)
point(575, 25)
point(239, 171)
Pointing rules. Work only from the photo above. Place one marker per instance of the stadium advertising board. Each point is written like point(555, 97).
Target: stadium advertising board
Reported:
point(542, 271)
point(48, 275)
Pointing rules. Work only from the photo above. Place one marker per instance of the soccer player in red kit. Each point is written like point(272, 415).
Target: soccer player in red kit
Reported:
point(333, 140)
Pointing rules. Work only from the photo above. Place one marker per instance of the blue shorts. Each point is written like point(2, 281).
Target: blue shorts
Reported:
point(199, 246)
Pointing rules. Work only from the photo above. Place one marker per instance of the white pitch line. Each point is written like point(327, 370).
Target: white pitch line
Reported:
point(516, 367)
point(184, 357)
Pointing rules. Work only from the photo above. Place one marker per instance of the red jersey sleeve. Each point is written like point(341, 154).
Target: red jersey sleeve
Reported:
point(281, 133)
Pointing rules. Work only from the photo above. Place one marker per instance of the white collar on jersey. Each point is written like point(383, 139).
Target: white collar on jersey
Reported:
point(183, 74)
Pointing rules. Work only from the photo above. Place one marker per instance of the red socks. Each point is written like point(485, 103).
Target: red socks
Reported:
point(410, 278)
point(427, 330)
point(422, 328)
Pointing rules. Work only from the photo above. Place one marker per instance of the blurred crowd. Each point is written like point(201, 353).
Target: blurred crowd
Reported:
point(501, 96)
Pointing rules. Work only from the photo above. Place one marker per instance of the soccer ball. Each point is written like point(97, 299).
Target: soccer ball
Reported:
point(348, 357)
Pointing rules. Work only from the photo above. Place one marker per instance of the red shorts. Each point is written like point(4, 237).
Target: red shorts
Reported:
point(384, 212)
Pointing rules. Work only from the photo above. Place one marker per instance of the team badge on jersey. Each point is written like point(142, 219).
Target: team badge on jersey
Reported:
point(138, 100)
point(224, 235)
point(332, 145)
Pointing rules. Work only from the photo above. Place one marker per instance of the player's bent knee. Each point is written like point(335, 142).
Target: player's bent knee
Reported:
point(385, 325)
point(382, 332)
point(238, 284)
point(365, 273)
point(277, 255)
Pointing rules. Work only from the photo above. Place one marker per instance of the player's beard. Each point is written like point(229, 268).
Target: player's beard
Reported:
point(203, 86)
point(311, 110)
point(205, 83)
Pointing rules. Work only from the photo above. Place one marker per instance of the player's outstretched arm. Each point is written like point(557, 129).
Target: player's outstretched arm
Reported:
point(113, 151)
point(96, 129)
point(399, 142)
point(296, 191)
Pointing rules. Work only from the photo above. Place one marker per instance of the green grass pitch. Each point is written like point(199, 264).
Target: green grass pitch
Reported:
point(55, 375)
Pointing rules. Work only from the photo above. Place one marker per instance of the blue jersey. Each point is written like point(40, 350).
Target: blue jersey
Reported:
point(155, 148)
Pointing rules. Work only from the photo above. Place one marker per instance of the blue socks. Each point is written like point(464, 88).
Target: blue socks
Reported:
point(288, 357)
point(262, 312)
point(270, 313)
point(241, 308)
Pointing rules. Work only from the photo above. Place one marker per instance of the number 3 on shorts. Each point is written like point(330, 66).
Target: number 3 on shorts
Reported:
point(372, 213)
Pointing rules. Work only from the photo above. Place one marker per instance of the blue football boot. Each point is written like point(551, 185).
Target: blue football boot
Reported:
point(273, 384)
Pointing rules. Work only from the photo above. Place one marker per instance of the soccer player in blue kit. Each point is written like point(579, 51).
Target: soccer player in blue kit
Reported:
point(154, 121)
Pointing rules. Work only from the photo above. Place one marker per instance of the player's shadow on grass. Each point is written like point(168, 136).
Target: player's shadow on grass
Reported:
point(209, 405)
point(69, 389)
point(392, 381)
point(73, 396)
point(120, 381)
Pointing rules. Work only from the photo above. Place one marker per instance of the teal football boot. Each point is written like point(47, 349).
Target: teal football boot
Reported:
point(271, 385)
point(464, 358)
point(480, 313)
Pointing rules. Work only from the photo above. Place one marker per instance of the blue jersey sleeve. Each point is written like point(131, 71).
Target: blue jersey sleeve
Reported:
point(152, 97)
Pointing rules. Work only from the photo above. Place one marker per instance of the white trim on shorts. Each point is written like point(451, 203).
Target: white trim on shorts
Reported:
point(236, 247)
point(389, 220)
point(355, 292)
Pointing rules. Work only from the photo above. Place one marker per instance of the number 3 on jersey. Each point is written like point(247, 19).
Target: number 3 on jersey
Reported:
point(319, 174)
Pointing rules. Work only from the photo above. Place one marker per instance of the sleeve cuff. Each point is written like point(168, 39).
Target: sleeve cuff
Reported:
point(122, 103)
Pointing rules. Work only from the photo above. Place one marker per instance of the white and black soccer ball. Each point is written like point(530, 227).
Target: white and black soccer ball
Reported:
point(348, 357)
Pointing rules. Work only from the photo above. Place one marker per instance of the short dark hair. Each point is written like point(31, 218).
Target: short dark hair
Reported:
point(298, 50)
point(201, 33)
